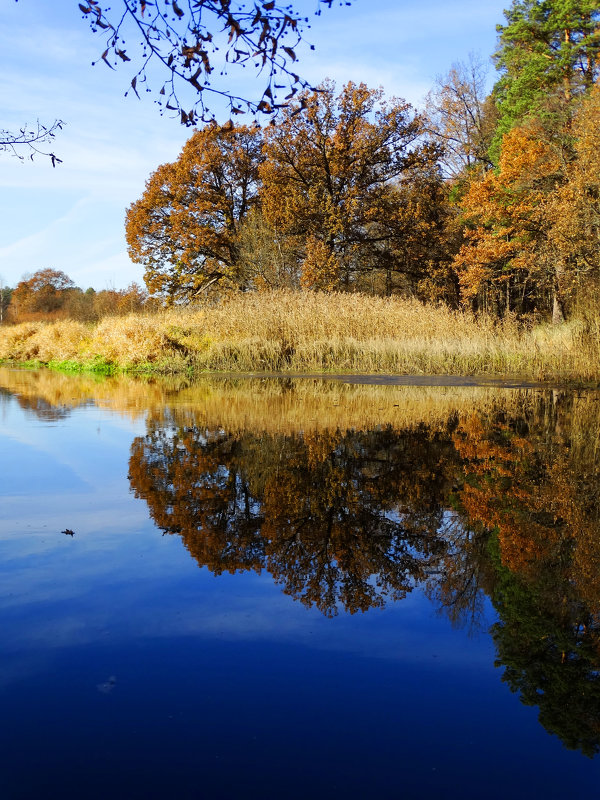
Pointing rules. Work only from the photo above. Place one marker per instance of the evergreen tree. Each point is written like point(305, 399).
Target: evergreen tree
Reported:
point(548, 54)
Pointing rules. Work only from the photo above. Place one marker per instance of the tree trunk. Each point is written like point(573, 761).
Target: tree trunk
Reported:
point(388, 283)
point(568, 77)
point(558, 314)
point(558, 310)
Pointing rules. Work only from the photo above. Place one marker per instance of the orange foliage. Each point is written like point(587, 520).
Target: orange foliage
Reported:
point(505, 214)
point(334, 179)
point(42, 294)
point(324, 512)
point(184, 229)
point(575, 212)
point(499, 492)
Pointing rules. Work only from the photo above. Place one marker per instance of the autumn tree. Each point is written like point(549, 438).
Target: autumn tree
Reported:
point(462, 118)
point(268, 258)
point(111, 302)
point(506, 263)
point(521, 241)
point(333, 176)
point(416, 259)
point(519, 250)
point(185, 228)
point(575, 209)
point(44, 292)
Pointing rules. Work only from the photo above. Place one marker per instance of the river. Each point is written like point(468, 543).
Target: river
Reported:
point(268, 587)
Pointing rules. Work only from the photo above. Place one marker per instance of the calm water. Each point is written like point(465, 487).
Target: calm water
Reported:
point(299, 588)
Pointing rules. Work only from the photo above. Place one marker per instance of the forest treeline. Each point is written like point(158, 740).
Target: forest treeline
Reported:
point(484, 201)
point(50, 295)
point(490, 201)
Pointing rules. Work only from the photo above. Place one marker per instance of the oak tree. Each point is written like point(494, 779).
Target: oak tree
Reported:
point(44, 292)
point(333, 176)
point(185, 227)
point(268, 259)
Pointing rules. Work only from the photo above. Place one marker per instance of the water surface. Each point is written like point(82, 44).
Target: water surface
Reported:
point(297, 587)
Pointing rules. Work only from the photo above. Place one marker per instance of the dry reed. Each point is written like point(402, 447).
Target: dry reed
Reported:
point(316, 332)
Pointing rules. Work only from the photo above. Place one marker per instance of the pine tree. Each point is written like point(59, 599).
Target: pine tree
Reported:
point(549, 53)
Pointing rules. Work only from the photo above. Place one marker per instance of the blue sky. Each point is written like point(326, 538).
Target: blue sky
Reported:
point(72, 218)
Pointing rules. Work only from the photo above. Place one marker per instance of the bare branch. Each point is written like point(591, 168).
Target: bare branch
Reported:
point(28, 141)
point(193, 45)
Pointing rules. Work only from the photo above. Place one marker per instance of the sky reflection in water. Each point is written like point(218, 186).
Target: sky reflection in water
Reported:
point(130, 668)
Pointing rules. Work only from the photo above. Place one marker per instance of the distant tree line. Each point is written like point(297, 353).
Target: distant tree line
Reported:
point(490, 201)
point(50, 294)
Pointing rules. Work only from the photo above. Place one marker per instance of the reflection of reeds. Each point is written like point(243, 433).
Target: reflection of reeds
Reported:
point(127, 396)
point(310, 331)
point(261, 404)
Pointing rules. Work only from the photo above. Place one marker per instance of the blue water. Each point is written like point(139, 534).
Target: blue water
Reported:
point(126, 671)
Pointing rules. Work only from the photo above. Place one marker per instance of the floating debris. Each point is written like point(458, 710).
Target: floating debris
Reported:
point(107, 686)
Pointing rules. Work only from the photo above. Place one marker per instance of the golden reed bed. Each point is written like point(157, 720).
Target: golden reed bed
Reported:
point(314, 332)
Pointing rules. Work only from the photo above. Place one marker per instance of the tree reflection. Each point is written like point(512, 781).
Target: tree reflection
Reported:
point(39, 408)
point(338, 518)
point(548, 642)
point(490, 502)
point(533, 485)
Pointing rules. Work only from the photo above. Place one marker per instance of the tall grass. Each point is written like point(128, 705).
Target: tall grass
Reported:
point(315, 332)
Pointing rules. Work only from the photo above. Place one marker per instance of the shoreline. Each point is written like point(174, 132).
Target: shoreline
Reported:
point(430, 380)
point(313, 333)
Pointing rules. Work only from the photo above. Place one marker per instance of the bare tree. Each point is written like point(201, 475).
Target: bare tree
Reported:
point(461, 116)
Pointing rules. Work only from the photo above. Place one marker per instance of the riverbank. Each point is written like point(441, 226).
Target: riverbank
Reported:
point(312, 332)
